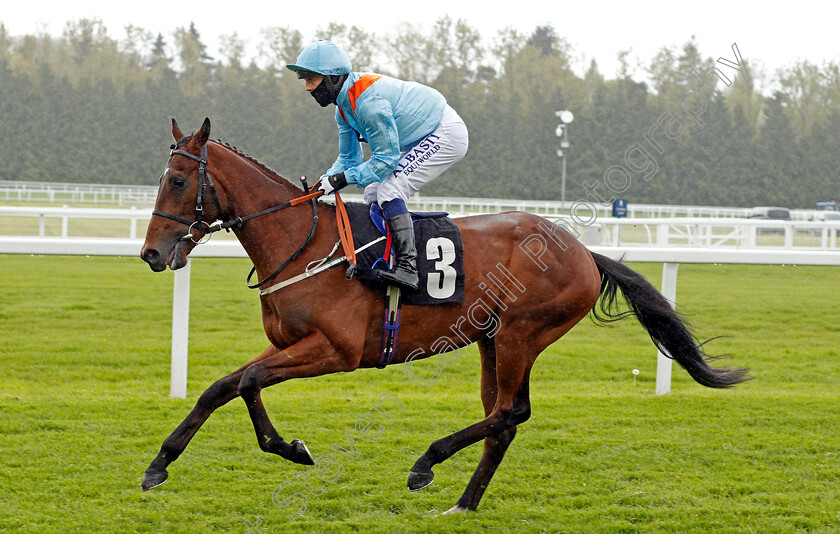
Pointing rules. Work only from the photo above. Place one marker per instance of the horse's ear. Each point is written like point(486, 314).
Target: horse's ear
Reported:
point(177, 134)
point(204, 133)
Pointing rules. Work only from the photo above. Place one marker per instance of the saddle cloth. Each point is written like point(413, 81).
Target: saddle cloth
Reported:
point(440, 262)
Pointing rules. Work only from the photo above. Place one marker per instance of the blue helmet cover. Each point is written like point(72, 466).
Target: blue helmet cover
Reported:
point(323, 57)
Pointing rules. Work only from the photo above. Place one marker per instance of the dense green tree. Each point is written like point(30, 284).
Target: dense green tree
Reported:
point(84, 107)
point(280, 46)
point(196, 66)
point(359, 45)
point(159, 65)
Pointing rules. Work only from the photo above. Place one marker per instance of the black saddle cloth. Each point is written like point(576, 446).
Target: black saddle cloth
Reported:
point(440, 256)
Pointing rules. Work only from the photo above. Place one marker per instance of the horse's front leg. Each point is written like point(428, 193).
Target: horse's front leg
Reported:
point(312, 356)
point(220, 393)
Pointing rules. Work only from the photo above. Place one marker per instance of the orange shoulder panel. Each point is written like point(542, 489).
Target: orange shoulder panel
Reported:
point(359, 87)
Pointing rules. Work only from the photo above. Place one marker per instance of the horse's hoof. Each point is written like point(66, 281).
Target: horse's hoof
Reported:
point(153, 479)
point(457, 509)
point(418, 480)
point(301, 454)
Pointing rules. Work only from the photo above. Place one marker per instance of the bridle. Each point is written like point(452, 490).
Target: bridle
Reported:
point(205, 182)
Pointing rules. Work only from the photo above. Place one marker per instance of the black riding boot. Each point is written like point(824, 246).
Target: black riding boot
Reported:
point(405, 267)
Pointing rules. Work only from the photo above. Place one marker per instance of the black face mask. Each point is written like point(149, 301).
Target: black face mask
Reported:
point(327, 91)
point(322, 95)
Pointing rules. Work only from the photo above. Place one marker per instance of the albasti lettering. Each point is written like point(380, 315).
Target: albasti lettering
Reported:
point(420, 153)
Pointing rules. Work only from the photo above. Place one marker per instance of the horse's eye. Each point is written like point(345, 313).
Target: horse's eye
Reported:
point(178, 183)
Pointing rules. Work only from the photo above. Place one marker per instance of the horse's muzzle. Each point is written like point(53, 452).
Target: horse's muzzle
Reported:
point(154, 259)
point(174, 259)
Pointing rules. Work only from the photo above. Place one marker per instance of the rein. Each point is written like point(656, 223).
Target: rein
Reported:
point(294, 202)
point(205, 181)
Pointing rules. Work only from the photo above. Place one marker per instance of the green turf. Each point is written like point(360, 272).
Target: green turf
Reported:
point(84, 408)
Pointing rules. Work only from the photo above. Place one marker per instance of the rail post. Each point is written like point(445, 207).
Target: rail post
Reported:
point(180, 332)
point(664, 363)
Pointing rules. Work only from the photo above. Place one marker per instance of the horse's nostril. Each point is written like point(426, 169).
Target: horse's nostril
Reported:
point(150, 255)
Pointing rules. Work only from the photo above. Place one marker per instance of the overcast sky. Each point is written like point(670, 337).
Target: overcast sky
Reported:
point(769, 34)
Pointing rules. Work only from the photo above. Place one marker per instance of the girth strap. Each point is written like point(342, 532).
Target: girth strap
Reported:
point(345, 233)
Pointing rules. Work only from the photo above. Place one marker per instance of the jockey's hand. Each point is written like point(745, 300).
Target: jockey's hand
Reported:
point(331, 184)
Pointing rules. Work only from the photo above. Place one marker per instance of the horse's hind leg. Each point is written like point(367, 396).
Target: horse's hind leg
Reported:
point(494, 451)
point(220, 393)
point(494, 446)
point(511, 408)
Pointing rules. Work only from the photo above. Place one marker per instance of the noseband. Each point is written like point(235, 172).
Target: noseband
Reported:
point(204, 181)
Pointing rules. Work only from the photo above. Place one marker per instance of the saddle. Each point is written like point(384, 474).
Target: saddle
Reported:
point(440, 265)
point(440, 262)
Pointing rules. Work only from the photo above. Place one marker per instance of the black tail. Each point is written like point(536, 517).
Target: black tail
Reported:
point(666, 327)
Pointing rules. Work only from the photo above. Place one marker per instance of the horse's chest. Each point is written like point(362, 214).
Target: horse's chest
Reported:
point(285, 325)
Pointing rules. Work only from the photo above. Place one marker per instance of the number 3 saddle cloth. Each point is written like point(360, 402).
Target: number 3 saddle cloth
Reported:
point(440, 254)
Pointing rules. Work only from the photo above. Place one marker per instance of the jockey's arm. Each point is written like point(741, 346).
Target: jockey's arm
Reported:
point(376, 118)
point(349, 149)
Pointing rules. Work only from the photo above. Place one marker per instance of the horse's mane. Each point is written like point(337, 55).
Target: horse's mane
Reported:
point(271, 173)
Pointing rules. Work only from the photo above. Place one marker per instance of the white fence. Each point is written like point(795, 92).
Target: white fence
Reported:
point(144, 196)
point(722, 232)
point(679, 231)
point(671, 257)
point(122, 195)
point(65, 214)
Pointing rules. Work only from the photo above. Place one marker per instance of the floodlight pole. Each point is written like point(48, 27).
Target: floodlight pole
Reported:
point(563, 181)
point(566, 117)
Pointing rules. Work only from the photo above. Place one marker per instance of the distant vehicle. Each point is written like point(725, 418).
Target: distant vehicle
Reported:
point(830, 205)
point(823, 216)
point(769, 213)
point(827, 216)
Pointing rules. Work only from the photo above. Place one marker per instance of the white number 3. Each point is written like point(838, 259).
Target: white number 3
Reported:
point(441, 282)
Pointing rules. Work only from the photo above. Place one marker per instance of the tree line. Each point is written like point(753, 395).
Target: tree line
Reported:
point(683, 129)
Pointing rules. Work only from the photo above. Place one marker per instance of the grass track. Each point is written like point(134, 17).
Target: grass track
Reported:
point(84, 408)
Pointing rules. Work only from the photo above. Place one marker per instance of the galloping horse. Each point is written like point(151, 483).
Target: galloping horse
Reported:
point(527, 283)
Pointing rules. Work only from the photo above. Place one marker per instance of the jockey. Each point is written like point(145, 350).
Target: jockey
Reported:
point(414, 137)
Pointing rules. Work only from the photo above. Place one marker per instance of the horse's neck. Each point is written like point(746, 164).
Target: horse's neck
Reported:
point(249, 190)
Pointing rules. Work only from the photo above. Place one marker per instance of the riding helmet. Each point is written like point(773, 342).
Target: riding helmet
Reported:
point(321, 57)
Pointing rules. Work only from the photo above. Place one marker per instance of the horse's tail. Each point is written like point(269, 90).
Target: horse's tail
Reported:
point(668, 330)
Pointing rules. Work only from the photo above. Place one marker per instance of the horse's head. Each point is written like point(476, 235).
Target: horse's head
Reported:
point(186, 204)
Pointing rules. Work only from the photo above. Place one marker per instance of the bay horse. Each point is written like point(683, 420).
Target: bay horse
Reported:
point(527, 283)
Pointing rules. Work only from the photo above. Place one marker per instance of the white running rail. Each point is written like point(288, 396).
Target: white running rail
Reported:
point(670, 257)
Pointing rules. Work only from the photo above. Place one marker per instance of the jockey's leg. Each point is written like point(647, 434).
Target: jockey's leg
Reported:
point(402, 232)
point(427, 160)
point(445, 146)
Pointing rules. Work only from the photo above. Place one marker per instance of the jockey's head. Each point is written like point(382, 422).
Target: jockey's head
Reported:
point(324, 66)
